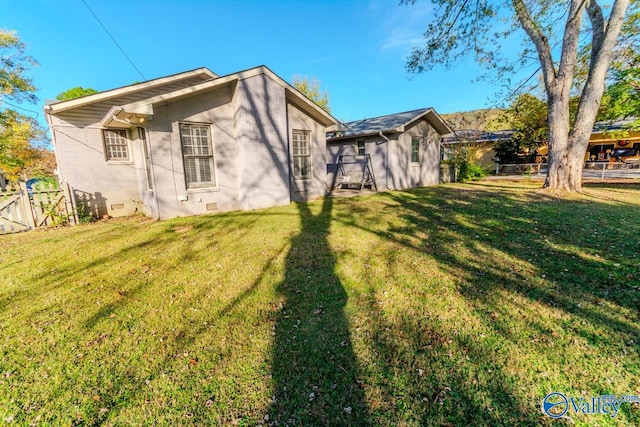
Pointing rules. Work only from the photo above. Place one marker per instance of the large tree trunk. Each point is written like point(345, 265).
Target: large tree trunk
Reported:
point(562, 173)
point(567, 147)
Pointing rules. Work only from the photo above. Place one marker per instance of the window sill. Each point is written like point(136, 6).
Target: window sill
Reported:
point(119, 162)
point(414, 164)
point(202, 190)
point(308, 178)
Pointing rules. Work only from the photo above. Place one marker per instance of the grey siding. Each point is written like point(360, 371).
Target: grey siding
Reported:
point(391, 161)
point(427, 171)
point(375, 146)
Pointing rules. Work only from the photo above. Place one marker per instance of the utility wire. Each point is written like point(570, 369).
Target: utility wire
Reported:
point(20, 108)
point(114, 40)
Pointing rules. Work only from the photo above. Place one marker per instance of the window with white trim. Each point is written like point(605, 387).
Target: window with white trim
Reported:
point(360, 146)
point(197, 152)
point(415, 150)
point(301, 154)
point(116, 144)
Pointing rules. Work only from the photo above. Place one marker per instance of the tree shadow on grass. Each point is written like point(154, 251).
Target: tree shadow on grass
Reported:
point(123, 317)
point(315, 373)
point(510, 257)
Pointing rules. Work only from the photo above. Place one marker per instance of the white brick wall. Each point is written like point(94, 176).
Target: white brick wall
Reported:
point(251, 124)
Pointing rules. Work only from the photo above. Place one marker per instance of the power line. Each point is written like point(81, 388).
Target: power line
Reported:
point(114, 40)
point(20, 108)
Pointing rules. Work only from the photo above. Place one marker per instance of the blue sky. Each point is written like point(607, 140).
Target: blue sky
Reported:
point(357, 49)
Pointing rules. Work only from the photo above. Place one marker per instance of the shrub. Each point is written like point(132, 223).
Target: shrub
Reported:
point(469, 171)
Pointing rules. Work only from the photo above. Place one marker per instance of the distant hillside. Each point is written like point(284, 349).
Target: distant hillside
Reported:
point(484, 119)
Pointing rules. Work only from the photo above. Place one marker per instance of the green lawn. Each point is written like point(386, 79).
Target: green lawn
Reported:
point(453, 305)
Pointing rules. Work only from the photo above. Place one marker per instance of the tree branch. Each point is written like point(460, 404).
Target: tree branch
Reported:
point(594, 11)
point(452, 24)
point(600, 60)
point(539, 40)
point(570, 41)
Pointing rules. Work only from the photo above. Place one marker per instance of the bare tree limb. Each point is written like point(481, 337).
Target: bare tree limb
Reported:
point(594, 11)
point(600, 61)
point(570, 41)
point(539, 40)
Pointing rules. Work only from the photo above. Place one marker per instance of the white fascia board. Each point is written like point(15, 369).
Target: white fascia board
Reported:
point(59, 107)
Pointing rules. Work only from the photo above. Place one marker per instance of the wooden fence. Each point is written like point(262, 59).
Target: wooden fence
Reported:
point(24, 209)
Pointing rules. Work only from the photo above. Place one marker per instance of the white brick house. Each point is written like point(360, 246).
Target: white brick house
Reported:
point(192, 143)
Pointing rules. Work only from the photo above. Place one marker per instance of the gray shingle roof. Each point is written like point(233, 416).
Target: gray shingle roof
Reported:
point(621, 124)
point(473, 135)
point(382, 123)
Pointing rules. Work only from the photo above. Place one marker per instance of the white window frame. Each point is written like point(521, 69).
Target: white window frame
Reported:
point(363, 148)
point(199, 152)
point(416, 140)
point(116, 145)
point(301, 153)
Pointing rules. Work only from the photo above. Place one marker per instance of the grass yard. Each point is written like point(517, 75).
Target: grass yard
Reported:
point(454, 305)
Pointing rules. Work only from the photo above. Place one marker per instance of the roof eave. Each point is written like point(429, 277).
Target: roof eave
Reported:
point(363, 134)
point(119, 117)
point(62, 106)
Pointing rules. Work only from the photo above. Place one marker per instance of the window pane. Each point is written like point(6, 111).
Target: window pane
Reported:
point(198, 154)
point(116, 144)
point(301, 148)
point(190, 170)
point(205, 170)
point(415, 150)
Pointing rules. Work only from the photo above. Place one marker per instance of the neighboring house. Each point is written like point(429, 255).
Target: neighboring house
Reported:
point(192, 143)
point(481, 143)
point(607, 141)
point(607, 137)
point(404, 148)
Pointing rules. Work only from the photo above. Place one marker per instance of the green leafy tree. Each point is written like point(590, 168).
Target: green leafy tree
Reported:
point(621, 99)
point(22, 152)
point(14, 64)
point(22, 140)
point(311, 89)
point(623, 93)
point(75, 92)
point(462, 28)
point(527, 118)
